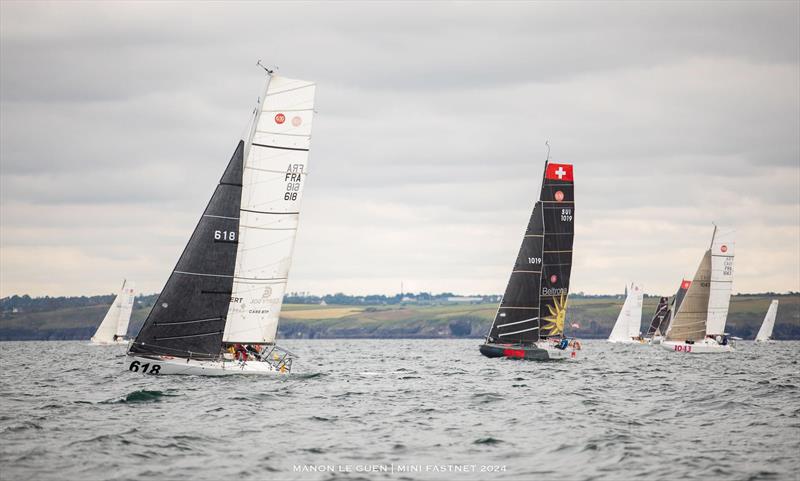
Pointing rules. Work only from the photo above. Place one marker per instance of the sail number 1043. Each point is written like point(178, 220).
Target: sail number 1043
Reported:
point(566, 215)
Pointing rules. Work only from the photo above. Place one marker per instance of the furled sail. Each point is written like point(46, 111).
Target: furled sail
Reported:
point(275, 170)
point(535, 300)
point(630, 316)
point(689, 322)
point(115, 322)
point(188, 318)
point(722, 251)
point(765, 333)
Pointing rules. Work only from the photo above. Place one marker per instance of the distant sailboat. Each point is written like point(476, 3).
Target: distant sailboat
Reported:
point(114, 327)
point(629, 320)
point(664, 312)
point(699, 324)
point(218, 313)
point(529, 322)
point(765, 333)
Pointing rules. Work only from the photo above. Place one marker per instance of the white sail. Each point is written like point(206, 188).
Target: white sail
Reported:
point(115, 323)
point(630, 317)
point(765, 333)
point(275, 170)
point(719, 299)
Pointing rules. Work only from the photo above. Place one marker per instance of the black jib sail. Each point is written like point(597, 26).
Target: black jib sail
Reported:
point(535, 301)
point(674, 306)
point(662, 310)
point(188, 318)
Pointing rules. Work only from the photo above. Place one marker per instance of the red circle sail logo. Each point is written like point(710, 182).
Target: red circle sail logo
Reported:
point(553, 279)
point(559, 196)
point(296, 121)
point(280, 118)
point(724, 248)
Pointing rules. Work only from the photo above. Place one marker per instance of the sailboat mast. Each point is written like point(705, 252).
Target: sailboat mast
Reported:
point(249, 141)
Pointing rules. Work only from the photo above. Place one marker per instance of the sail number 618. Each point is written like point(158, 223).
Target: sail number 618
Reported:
point(227, 235)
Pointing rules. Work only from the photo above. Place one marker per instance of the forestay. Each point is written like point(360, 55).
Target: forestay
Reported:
point(275, 172)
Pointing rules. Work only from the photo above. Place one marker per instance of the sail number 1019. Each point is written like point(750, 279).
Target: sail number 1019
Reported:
point(566, 215)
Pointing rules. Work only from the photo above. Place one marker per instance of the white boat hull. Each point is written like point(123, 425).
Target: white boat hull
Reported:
point(706, 346)
point(118, 342)
point(165, 365)
point(625, 341)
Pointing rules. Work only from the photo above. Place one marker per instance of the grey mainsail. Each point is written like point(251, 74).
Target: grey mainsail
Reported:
point(689, 322)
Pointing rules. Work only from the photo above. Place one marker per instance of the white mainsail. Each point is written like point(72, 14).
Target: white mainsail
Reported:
point(275, 170)
point(719, 299)
point(629, 319)
point(118, 316)
point(765, 333)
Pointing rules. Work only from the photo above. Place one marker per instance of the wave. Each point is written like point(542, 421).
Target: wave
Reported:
point(140, 396)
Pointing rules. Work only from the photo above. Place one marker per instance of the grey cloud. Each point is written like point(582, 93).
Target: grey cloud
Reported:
point(116, 121)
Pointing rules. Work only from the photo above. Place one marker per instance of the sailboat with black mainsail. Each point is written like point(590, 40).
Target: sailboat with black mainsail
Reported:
point(627, 329)
point(529, 323)
point(765, 332)
point(218, 312)
point(699, 324)
point(114, 328)
point(664, 312)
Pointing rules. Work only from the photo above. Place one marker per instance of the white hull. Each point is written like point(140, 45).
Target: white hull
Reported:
point(706, 346)
point(118, 342)
point(555, 353)
point(173, 365)
point(655, 340)
point(625, 341)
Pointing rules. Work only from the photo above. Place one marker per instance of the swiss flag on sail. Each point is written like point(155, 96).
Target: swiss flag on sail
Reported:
point(559, 172)
point(685, 284)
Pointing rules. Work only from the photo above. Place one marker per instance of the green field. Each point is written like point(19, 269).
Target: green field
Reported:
point(595, 316)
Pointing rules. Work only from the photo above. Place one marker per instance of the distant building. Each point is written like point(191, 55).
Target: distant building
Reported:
point(465, 299)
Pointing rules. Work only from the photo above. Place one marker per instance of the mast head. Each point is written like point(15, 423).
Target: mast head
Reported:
point(269, 70)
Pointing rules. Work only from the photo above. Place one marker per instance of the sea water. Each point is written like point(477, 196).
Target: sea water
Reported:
point(405, 409)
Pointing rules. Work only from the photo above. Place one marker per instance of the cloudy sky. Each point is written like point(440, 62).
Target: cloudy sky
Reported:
point(117, 120)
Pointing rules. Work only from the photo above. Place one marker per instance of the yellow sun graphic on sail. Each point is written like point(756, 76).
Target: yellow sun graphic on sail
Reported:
point(555, 321)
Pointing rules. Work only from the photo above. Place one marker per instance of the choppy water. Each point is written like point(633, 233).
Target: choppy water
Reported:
point(435, 409)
